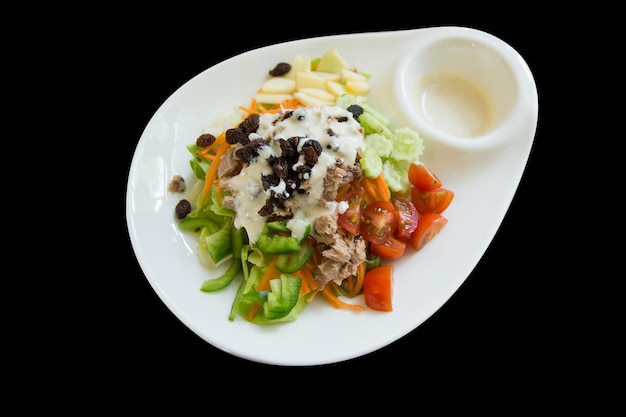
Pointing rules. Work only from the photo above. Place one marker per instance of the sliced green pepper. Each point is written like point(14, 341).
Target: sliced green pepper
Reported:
point(292, 262)
point(197, 223)
point(278, 226)
point(224, 280)
point(277, 244)
point(283, 297)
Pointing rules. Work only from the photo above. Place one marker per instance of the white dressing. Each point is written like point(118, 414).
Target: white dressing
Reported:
point(341, 139)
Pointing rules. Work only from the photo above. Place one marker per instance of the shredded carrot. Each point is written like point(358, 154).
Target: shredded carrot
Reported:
point(383, 187)
point(312, 295)
point(354, 285)
point(335, 301)
point(307, 279)
point(270, 273)
point(256, 107)
point(211, 173)
point(253, 310)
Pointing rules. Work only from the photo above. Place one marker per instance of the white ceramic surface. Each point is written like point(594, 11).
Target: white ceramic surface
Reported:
point(484, 178)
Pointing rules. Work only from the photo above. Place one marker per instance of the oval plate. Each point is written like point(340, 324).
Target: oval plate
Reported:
point(484, 182)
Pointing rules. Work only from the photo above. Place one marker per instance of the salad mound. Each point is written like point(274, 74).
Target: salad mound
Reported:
point(311, 192)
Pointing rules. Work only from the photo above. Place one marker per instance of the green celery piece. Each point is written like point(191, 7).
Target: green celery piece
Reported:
point(371, 163)
point(372, 125)
point(407, 145)
point(377, 115)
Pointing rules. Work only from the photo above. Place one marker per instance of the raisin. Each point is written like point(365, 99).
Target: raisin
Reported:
point(205, 140)
point(310, 156)
point(251, 123)
point(356, 110)
point(281, 68)
point(183, 208)
point(312, 143)
point(236, 135)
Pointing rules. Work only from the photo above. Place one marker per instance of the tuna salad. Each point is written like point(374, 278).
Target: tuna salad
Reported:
point(289, 166)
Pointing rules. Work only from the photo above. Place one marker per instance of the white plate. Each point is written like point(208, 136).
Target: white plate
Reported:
point(484, 180)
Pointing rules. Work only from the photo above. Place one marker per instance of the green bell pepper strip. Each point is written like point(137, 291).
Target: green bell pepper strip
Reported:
point(224, 280)
point(292, 262)
point(283, 297)
point(197, 223)
point(277, 244)
point(278, 226)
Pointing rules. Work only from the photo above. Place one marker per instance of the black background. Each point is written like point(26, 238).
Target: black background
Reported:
point(499, 325)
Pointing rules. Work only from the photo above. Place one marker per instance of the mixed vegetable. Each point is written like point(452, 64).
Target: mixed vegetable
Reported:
point(395, 205)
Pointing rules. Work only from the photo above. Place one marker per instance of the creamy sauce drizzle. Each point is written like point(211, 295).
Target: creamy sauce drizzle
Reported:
point(455, 104)
point(317, 123)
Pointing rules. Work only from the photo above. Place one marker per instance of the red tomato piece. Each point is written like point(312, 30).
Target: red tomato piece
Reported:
point(378, 288)
point(378, 221)
point(428, 226)
point(434, 201)
point(391, 248)
point(422, 178)
point(407, 217)
point(351, 218)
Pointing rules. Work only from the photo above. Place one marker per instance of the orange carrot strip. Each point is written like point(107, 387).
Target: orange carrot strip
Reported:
point(357, 282)
point(252, 312)
point(342, 191)
point(312, 295)
point(207, 155)
point(211, 173)
point(220, 191)
point(376, 189)
point(371, 192)
point(254, 107)
point(307, 278)
point(335, 301)
point(270, 273)
point(383, 188)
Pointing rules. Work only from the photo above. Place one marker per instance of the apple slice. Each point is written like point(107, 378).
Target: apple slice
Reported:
point(309, 80)
point(318, 93)
point(327, 75)
point(272, 98)
point(335, 88)
point(279, 85)
point(332, 61)
point(359, 88)
point(349, 75)
point(308, 100)
point(299, 64)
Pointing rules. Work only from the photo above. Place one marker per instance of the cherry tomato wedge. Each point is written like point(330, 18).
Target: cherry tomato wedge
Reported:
point(434, 201)
point(391, 248)
point(428, 226)
point(378, 221)
point(378, 288)
point(351, 218)
point(422, 178)
point(407, 217)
